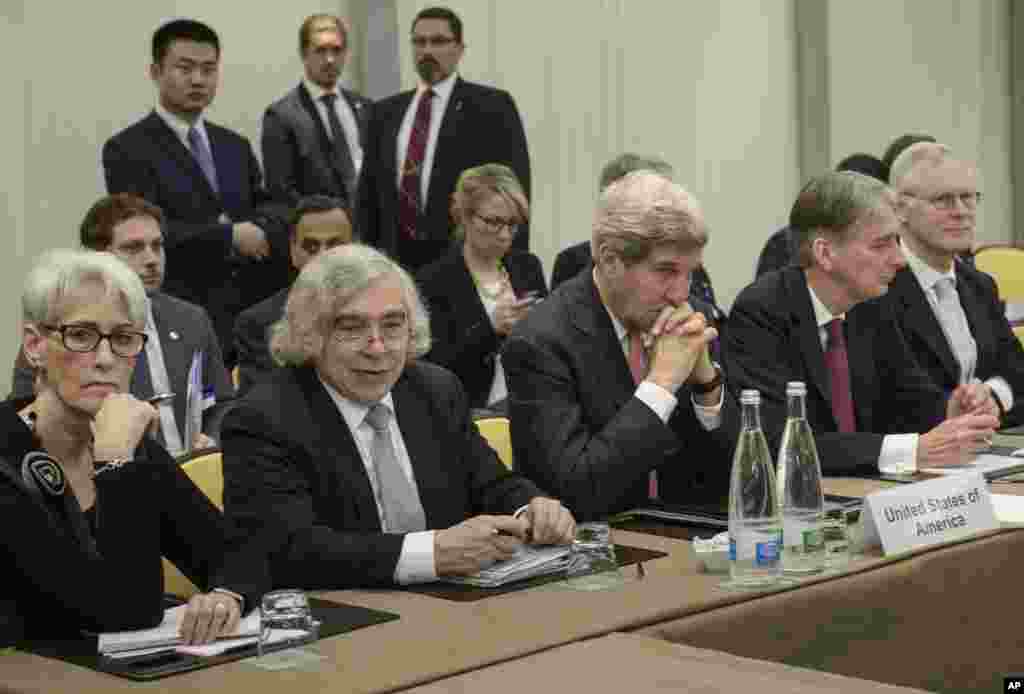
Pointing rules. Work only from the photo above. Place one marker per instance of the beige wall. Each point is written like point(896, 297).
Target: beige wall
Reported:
point(710, 86)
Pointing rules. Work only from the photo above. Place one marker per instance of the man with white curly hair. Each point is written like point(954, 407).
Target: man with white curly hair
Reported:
point(358, 464)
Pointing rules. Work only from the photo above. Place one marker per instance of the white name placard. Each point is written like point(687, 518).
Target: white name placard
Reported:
point(927, 513)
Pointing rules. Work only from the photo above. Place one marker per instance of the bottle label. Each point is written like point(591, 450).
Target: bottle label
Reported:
point(766, 553)
point(799, 535)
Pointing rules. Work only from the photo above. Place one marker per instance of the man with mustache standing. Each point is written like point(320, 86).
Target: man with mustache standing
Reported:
point(313, 137)
point(950, 313)
point(613, 397)
point(816, 322)
point(420, 141)
point(225, 249)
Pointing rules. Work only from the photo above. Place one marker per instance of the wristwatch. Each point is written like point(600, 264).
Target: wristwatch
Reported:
point(709, 387)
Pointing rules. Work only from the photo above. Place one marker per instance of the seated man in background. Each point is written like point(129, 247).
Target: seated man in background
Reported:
point(612, 393)
point(780, 248)
point(318, 223)
point(131, 228)
point(949, 312)
point(572, 260)
point(359, 465)
point(814, 323)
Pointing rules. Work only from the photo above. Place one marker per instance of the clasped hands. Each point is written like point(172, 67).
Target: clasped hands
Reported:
point(972, 416)
point(680, 348)
point(480, 541)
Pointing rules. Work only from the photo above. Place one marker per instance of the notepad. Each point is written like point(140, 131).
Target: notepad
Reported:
point(165, 636)
point(529, 561)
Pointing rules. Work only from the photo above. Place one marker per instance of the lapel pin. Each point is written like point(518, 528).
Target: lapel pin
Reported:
point(458, 105)
point(173, 335)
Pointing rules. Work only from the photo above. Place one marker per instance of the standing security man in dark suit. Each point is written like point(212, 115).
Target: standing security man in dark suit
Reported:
point(313, 137)
point(224, 252)
point(420, 141)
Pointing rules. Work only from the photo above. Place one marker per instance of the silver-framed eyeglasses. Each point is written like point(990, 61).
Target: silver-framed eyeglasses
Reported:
point(86, 338)
point(948, 201)
point(355, 331)
point(496, 225)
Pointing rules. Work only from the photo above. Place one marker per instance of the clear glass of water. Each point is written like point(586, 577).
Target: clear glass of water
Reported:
point(286, 620)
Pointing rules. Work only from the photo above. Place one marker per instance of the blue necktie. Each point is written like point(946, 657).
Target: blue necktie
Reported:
point(204, 158)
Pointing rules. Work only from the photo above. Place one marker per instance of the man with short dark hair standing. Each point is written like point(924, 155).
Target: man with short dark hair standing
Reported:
point(319, 223)
point(131, 228)
point(224, 251)
point(420, 141)
point(313, 137)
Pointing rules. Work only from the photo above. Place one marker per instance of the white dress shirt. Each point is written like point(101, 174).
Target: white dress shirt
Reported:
point(928, 278)
point(438, 105)
point(416, 561)
point(345, 116)
point(899, 451)
point(180, 126)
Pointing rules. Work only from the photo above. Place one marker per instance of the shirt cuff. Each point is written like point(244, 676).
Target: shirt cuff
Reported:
point(899, 454)
point(709, 416)
point(657, 398)
point(416, 562)
point(1002, 390)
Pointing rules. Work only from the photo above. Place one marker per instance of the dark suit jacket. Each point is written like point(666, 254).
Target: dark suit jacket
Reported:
point(999, 350)
point(773, 338)
point(149, 160)
point(577, 429)
point(464, 340)
point(251, 339)
point(184, 329)
point(481, 125)
point(293, 476)
point(778, 252)
point(298, 155)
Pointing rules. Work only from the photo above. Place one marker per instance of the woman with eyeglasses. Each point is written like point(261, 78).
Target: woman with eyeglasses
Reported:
point(481, 288)
point(88, 502)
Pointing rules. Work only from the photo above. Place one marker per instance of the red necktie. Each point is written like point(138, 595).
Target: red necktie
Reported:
point(638, 367)
point(409, 188)
point(838, 366)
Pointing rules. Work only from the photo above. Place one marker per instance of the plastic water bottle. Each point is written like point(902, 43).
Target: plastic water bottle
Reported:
point(755, 528)
point(798, 480)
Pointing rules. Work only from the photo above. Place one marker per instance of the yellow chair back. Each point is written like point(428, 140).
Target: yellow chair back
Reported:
point(496, 431)
point(206, 471)
point(1018, 330)
point(1006, 265)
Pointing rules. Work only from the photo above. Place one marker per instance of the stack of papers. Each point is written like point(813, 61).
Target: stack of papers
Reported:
point(528, 562)
point(998, 461)
point(130, 644)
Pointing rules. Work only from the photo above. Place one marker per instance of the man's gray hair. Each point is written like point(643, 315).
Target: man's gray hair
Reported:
point(329, 281)
point(60, 274)
point(832, 204)
point(919, 154)
point(644, 210)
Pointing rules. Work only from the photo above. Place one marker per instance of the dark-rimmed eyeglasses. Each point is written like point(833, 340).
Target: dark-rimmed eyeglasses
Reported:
point(499, 224)
point(948, 201)
point(86, 338)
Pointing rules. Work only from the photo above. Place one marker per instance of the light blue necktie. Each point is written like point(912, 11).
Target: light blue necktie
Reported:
point(399, 500)
point(204, 158)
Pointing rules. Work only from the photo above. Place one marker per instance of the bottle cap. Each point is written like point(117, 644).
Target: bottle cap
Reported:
point(750, 397)
point(796, 388)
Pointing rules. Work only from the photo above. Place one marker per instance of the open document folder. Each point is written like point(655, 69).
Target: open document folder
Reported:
point(121, 644)
point(528, 562)
point(996, 462)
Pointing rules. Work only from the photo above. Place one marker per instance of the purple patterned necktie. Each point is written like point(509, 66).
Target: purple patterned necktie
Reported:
point(203, 157)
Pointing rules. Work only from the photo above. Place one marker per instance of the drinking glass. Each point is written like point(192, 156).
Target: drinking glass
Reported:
point(285, 620)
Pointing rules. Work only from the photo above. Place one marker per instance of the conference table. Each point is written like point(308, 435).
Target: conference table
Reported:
point(939, 619)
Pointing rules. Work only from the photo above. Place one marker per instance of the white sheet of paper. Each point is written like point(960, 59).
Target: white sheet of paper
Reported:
point(1008, 508)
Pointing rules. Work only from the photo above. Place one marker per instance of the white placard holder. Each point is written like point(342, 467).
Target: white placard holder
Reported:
point(928, 513)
